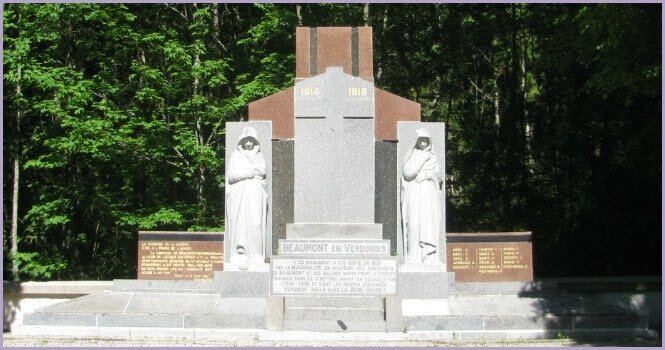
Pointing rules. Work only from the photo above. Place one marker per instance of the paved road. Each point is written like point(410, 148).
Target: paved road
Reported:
point(11, 340)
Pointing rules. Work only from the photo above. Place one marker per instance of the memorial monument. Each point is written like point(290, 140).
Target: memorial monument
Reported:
point(335, 221)
point(340, 240)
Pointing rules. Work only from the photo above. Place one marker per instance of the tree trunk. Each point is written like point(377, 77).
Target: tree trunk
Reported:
point(497, 115)
point(298, 8)
point(199, 125)
point(14, 232)
point(528, 126)
point(384, 26)
point(17, 163)
point(366, 14)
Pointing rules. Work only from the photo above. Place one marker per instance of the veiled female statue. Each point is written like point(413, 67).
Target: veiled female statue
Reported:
point(421, 202)
point(246, 202)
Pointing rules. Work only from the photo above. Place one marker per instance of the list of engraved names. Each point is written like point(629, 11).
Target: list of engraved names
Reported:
point(487, 258)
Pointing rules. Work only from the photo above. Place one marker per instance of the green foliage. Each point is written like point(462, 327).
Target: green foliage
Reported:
point(36, 267)
point(163, 217)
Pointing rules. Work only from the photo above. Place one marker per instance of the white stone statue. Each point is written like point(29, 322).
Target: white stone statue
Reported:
point(246, 202)
point(421, 202)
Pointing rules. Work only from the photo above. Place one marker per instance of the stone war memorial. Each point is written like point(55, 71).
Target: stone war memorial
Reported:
point(335, 210)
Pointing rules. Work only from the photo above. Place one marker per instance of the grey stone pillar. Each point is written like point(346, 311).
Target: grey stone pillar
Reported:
point(334, 149)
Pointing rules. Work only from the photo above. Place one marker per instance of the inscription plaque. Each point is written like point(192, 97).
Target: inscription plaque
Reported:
point(179, 255)
point(318, 247)
point(334, 276)
point(490, 257)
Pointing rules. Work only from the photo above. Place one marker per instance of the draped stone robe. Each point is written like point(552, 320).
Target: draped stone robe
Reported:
point(246, 203)
point(421, 207)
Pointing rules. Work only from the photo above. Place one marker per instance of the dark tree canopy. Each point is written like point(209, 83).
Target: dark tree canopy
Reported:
point(114, 121)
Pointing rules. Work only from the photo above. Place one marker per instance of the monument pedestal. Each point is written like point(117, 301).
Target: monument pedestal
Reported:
point(423, 281)
point(333, 277)
point(235, 283)
point(256, 267)
point(244, 298)
point(422, 290)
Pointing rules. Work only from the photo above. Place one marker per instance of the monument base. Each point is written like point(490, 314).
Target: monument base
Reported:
point(422, 291)
point(243, 284)
point(258, 267)
point(423, 281)
point(422, 268)
point(506, 310)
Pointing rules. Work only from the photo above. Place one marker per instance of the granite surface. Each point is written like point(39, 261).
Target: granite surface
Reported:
point(277, 108)
point(334, 231)
point(391, 109)
point(282, 192)
point(334, 149)
point(385, 199)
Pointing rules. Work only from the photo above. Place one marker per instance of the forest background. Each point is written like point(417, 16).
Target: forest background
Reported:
point(114, 115)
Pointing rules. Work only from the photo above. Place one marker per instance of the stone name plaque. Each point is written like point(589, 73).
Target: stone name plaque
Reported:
point(179, 255)
point(318, 247)
point(483, 260)
point(334, 276)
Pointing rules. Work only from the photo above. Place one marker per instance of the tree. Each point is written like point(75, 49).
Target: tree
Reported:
point(114, 121)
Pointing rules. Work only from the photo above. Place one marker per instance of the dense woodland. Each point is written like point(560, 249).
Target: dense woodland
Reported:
point(114, 117)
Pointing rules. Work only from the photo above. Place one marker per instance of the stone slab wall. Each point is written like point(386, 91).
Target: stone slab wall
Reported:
point(282, 200)
point(385, 209)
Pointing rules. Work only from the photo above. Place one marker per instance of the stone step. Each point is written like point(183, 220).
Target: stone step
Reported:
point(162, 286)
point(334, 326)
point(333, 313)
point(225, 321)
point(375, 303)
point(104, 319)
point(501, 323)
point(334, 308)
point(216, 320)
point(420, 323)
point(167, 310)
